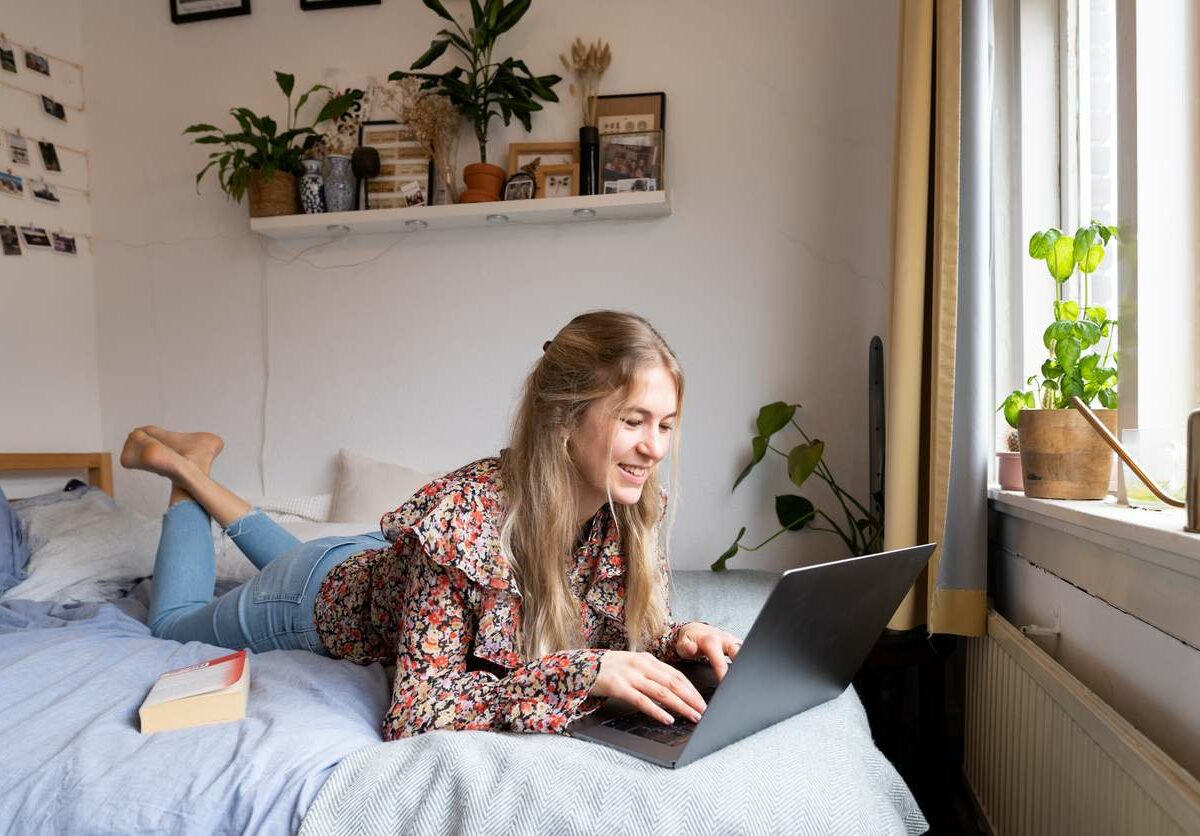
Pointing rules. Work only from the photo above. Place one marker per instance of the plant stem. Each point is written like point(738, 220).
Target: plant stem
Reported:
point(763, 543)
point(853, 544)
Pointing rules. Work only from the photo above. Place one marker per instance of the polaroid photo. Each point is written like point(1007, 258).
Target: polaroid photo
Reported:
point(35, 236)
point(43, 191)
point(18, 148)
point(63, 244)
point(413, 194)
point(8, 237)
point(53, 108)
point(8, 63)
point(637, 184)
point(37, 63)
point(629, 158)
point(50, 156)
point(519, 189)
point(11, 184)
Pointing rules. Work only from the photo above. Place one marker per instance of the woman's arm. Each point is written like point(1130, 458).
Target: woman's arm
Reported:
point(434, 689)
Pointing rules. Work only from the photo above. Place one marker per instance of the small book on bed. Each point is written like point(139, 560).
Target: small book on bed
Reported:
point(198, 695)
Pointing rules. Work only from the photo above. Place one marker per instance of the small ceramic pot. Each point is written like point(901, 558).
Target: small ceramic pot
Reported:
point(484, 183)
point(1008, 471)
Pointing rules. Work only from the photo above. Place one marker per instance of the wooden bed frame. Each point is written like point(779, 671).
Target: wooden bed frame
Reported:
point(97, 465)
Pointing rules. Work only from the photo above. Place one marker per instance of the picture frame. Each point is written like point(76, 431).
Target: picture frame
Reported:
point(50, 160)
point(54, 109)
point(631, 112)
point(35, 236)
point(37, 62)
point(8, 59)
point(63, 244)
point(520, 186)
point(632, 162)
point(11, 185)
point(318, 5)
point(521, 154)
point(18, 148)
point(10, 240)
point(194, 11)
point(402, 162)
point(550, 180)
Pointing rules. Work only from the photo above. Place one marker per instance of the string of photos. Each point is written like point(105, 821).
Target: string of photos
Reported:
point(44, 185)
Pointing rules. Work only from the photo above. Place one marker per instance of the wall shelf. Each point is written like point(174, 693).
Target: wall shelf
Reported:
point(551, 210)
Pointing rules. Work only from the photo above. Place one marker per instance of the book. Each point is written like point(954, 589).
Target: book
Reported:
point(198, 695)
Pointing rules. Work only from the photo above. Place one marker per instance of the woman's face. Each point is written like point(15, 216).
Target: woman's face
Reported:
point(615, 452)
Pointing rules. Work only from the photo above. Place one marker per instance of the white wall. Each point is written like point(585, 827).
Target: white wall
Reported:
point(50, 397)
point(768, 280)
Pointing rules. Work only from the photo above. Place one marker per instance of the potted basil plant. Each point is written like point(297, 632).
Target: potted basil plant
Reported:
point(262, 160)
point(484, 88)
point(1062, 457)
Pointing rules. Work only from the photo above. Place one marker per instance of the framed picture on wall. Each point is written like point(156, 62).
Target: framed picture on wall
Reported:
point(631, 162)
point(521, 154)
point(405, 166)
point(317, 5)
point(558, 180)
point(631, 112)
point(191, 11)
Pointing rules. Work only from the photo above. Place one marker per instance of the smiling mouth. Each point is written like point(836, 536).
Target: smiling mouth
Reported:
point(636, 472)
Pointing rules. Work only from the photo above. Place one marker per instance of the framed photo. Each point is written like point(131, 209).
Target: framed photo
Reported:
point(403, 162)
point(521, 154)
point(8, 237)
point(190, 11)
point(631, 112)
point(37, 63)
point(64, 244)
point(43, 191)
point(35, 236)
point(18, 148)
point(520, 186)
point(8, 63)
point(53, 108)
point(558, 180)
point(49, 156)
point(631, 162)
point(11, 185)
point(317, 5)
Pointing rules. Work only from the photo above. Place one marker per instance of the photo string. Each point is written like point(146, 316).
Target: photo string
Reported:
point(5, 42)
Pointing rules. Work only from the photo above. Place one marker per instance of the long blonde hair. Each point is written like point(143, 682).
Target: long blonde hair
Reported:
point(595, 355)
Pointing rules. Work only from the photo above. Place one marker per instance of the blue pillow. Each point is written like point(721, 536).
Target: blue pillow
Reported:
point(14, 551)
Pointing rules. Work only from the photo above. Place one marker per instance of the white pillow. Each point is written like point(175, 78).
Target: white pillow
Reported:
point(367, 489)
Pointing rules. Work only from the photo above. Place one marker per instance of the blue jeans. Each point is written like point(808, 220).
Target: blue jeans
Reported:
point(271, 611)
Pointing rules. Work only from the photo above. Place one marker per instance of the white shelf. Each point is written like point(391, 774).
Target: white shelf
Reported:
point(550, 210)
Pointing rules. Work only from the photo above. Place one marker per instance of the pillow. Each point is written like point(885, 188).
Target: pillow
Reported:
point(366, 489)
point(14, 552)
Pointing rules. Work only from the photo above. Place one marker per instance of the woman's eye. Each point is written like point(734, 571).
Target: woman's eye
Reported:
point(632, 422)
point(666, 428)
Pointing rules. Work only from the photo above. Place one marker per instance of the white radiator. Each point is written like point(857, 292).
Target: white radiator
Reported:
point(1046, 755)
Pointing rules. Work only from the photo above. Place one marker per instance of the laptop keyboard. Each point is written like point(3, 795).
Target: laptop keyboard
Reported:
point(639, 724)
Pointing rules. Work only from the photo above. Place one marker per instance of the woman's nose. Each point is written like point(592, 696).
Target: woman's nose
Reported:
point(654, 445)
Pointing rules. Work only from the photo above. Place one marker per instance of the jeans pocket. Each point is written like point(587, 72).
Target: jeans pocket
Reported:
point(287, 578)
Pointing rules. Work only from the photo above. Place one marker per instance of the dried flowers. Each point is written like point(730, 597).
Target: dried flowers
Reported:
point(588, 63)
point(435, 123)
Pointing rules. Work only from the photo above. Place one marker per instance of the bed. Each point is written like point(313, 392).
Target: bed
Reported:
point(308, 757)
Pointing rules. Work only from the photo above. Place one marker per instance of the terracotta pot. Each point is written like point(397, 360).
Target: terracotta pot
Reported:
point(1008, 471)
point(274, 195)
point(484, 183)
point(1062, 457)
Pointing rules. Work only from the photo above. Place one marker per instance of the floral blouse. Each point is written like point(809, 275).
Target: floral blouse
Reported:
point(443, 603)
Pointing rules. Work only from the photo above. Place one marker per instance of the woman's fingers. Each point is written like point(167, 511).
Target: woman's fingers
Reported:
point(645, 704)
point(678, 696)
point(713, 647)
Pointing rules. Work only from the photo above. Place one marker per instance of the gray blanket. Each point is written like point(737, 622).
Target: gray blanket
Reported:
point(818, 772)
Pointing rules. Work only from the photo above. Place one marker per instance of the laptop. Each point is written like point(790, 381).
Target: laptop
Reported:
point(807, 643)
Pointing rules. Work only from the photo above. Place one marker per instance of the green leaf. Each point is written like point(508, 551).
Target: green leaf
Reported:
point(477, 17)
point(1067, 352)
point(794, 512)
point(1060, 261)
point(336, 106)
point(1108, 398)
point(1052, 385)
point(774, 417)
point(1030, 401)
point(509, 16)
point(719, 564)
point(1012, 407)
point(1092, 259)
point(1096, 314)
point(803, 460)
point(1050, 369)
point(1088, 333)
point(1071, 386)
point(438, 9)
point(199, 128)
point(1058, 330)
point(1087, 366)
point(436, 48)
point(1041, 242)
point(758, 446)
point(456, 39)
point(286, 82)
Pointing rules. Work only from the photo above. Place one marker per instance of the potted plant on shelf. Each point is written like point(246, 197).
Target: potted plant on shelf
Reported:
point(484, 88)
point(1008, 464)
point(260, 159)
point(1061, 456)
point(861, 530)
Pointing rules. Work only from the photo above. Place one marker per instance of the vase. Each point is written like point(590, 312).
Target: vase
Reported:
point(312, 200)
point(1062, 457)
point(484, 183)
point(340, 185)
point(589, 160)
point(272, 195)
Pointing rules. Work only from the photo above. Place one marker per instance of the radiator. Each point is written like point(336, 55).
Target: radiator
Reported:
point(1043, 754)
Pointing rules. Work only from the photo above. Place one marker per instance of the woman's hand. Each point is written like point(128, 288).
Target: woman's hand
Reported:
point(649, 684)
point(699, 639)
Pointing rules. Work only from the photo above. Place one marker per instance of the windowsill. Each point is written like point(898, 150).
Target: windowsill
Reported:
point(1155, 536)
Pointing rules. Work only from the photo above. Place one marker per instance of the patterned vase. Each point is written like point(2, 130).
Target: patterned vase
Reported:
point(312, 198)
point(340, 185)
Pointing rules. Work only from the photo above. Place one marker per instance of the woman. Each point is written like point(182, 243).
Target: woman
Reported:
point(514, 593)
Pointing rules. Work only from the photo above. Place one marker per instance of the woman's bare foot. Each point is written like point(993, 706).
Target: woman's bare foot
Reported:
point(198, 448)
point(144, 452)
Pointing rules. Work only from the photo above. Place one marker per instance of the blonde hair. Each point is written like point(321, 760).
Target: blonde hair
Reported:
point(595, 355)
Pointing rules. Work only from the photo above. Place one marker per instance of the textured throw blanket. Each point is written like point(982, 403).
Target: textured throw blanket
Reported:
point(817, 773)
